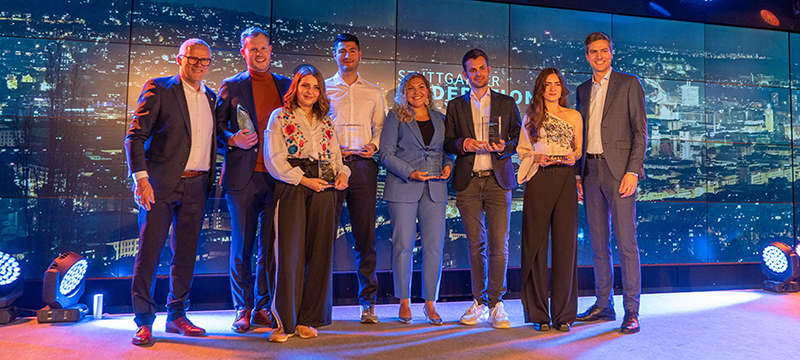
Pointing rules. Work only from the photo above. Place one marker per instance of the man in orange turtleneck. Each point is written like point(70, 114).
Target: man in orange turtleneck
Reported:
point(248, 185)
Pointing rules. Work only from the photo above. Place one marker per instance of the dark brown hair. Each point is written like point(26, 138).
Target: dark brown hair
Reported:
point(537, 110)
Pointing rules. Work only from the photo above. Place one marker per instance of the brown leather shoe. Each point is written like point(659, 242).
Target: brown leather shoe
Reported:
point(305, 332)
point(262, 317)
point(242, 322)
point(184, 327)
point(144, 336)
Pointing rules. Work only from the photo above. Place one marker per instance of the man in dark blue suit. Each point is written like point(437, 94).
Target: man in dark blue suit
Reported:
point(171, 154)
point(252, 94)
point(483, 180)
point(615, 138)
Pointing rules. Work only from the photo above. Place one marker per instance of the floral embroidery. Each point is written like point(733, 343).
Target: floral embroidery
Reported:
point(295, 139)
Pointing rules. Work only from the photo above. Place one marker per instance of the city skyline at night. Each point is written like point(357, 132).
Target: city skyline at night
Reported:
point(720, 165)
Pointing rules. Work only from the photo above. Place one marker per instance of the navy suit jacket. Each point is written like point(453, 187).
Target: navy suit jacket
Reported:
point(459, 126)
point(623, 125)
point(403, 152)
point(239, 164)
point(159, 138)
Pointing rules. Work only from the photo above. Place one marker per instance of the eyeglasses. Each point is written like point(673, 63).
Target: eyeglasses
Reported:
point(194, 60)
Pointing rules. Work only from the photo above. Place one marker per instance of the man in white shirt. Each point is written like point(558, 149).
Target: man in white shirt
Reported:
point(615, 139)
point(483, 180)
point(357, 111)
point(171, 150)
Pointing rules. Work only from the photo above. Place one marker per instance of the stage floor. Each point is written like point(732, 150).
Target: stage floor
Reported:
point(699, 325)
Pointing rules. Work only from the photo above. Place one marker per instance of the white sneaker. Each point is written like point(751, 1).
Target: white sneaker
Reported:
point(498, 317)
point(475, 314)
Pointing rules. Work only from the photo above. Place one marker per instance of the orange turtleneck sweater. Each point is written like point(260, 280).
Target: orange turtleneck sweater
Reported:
point(267, 98)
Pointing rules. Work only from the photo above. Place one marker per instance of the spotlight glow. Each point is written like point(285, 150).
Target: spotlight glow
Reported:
point(9, 269)
point(775, 259)
point(73, 277)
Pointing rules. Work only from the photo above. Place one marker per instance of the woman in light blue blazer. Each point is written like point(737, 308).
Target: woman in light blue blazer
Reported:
point(416, 189)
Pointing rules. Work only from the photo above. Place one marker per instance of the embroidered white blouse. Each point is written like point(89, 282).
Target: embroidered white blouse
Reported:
point(289, 136)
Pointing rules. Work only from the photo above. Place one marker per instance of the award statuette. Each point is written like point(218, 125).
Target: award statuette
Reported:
point(352, 140)
point(493, 129)
point(433, 161)
point(327, 168)
point(243, 118)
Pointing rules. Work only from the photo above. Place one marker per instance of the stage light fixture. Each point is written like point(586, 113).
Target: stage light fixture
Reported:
point(63, 286)
point(781, 265)
point(10, 287)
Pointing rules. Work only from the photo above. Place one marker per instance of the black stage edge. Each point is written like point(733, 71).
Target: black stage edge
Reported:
point(212, 292)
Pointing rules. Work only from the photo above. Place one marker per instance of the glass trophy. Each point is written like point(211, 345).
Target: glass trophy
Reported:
point(243, 119)
point(327, 168)
point(352, 141)
point(433, 162)
point(492, 129)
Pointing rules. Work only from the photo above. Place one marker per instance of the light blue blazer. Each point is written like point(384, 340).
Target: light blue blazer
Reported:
point(403, 152)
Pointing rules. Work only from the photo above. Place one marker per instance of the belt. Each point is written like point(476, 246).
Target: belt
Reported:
point(192, 173)
point(482, 174)
point(355, 157)
point(596, 156)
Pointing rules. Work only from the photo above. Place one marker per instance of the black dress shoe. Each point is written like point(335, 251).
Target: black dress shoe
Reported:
point(563, 327)
point(541, 327)
point(144, 336)
point(631, 323)
point(595, 313)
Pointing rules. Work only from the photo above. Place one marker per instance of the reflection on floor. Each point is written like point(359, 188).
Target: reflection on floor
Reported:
point(699, 325)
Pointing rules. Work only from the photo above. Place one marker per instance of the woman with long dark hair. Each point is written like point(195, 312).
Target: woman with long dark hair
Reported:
point(416, 190)
point(549, 145)
point(298, 137)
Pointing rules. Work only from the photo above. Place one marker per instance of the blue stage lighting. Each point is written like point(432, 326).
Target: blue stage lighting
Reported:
point(63, 286)
point(74, 277)
point(10, 286)
point(9, 269)
point(781, 265)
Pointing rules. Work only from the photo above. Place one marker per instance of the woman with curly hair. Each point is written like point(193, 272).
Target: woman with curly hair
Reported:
point(416, 190)
point(299, 136)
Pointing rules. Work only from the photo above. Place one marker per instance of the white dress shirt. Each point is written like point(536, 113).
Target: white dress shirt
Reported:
point(481, 108)
point(202, 125)
point(594, 140)
point(276, 149)
point(360, 103)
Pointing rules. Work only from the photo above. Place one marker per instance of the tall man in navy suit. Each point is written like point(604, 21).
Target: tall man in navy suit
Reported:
point(171, 154)
point(615, 138)
point(483, 180)
point(249, 187)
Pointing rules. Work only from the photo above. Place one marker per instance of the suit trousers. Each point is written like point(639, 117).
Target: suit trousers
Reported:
point(361, 197)
point(431, 216)
point(250, 208)
point(602, 198)
point(305, 228)
point(485, 201)
point(550, 215)
point(183, 210)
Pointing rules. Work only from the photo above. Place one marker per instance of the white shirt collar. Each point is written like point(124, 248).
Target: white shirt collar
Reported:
point(337, 79)
point(475, 97)
point(191, 90)
point(605, 77)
